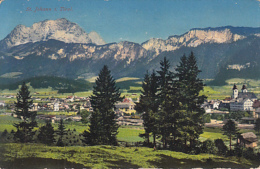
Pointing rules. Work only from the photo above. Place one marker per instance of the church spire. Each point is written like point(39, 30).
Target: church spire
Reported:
point(235, 92)
point(244, 90)
point(234, 87)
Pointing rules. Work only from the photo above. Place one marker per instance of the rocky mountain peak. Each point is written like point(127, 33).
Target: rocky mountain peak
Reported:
point(196, 37)
point(60, 29)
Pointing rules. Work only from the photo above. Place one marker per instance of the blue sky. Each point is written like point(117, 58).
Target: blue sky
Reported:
point(133, 20)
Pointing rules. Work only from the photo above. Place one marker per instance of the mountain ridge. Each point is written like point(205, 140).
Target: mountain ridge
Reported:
point(215, 49)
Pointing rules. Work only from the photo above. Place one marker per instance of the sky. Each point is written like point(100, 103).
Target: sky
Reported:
point(132, 20)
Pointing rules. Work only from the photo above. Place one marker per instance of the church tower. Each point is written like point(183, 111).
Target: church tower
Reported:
point(244, 90)
point(235, 92)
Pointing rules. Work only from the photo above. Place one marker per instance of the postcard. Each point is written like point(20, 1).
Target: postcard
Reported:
point(129, 84)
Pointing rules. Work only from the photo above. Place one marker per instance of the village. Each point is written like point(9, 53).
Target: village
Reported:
point(217, 111)
point(69, 108)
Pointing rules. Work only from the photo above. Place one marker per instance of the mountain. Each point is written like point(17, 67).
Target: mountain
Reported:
point(196, 37)
point(71, 60)
point(219, 51)
point(60, 29)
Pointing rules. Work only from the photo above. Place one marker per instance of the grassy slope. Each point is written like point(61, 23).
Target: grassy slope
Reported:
point(107, 156)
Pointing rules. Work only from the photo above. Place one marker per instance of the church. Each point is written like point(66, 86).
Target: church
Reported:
point(242, 101)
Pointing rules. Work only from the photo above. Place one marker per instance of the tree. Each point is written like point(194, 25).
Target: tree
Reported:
point(22, 109)
point(208, 146)
point(105, 94)
point(84, 116)
point(61, 132)
point(257, 125)
point(165, 98)
point(222, 148)
point(46, 134)
point(230, 129)
point(148, 106)
point(86, 136)
point(189, 87)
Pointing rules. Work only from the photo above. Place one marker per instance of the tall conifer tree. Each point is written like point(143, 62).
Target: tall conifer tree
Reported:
point(165, 82)
point(61, 132)
point(46, 134)
point(148, 105)
point(103, 127)
point(22, 109)
point(189, 86)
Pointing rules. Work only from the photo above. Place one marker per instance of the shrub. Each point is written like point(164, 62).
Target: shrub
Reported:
point(208, 146)
point(221, 147)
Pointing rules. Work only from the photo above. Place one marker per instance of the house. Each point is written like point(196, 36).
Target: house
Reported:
point(56, 106)
point(206, 106)
point(70, 98)
point(2, 104)
point(241, 105)
point(225, 104)
point(34, 107)
point(248, 140)
point(50, 106)
point(127, 106)
point(242, 101)
point(214, 104)
point(256, 109)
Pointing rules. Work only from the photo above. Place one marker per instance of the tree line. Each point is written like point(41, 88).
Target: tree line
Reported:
point(170, 104)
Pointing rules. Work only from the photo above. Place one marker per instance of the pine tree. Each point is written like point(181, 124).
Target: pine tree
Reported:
point(257, 125)
point(230, 129)
point(103, 125)
point(95, 128)
point(61, 132)
point(22, 110)
point(165, 95)
point(148, 106)
point(46, 134)
point(189, 87)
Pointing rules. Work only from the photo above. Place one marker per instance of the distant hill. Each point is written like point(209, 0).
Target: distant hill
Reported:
point(63, 85)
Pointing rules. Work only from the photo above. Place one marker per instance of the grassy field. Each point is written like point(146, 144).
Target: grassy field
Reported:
point(6, 122)
point(126, 79)
point(125, 133)
point(92, 80)
point(130, 134)
point(119, 157)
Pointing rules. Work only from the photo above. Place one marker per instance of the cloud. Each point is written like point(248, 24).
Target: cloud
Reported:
point(1, 1)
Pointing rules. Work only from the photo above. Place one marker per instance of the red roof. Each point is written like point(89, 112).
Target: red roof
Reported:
point(256, 104)
point(228, 99)
point(126, 100)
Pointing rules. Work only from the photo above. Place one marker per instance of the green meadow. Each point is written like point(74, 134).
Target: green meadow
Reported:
point(119, 157)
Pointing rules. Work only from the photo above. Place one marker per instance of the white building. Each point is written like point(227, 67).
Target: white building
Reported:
point(242, 101)
point(34, 107)
point(56, 106)
point(241, 105)
point(2, 104)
